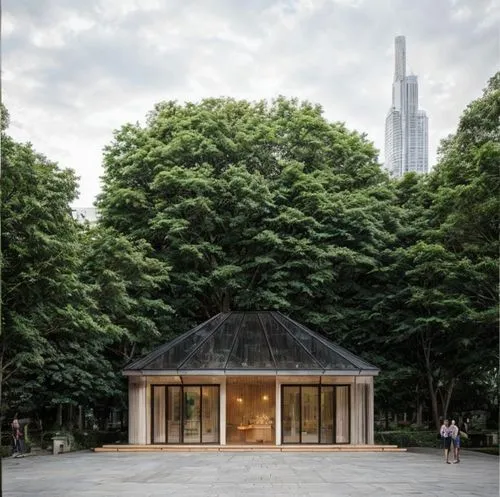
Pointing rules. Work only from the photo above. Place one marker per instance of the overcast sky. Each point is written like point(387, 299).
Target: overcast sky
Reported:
point(74, 70)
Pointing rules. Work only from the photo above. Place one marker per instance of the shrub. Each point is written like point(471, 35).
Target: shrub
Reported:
point(407, 438)
point(91, 439)
point(5, 450)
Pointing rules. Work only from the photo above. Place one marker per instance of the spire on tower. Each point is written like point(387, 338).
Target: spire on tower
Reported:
point(400, 58)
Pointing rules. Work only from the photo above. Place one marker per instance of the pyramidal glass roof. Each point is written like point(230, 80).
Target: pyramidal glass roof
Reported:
point(263, 342)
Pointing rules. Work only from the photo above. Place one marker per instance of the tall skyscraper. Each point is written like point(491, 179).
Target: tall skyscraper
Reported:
point(406, 127)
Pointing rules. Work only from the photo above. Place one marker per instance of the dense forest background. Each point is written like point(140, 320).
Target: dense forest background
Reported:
point(229, 205)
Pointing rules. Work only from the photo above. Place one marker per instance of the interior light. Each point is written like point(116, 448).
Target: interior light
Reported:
point(239, 400)
point(265, 397)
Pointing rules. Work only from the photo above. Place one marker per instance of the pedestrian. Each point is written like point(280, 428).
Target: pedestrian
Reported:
point(17, 438)
point(455, 439)
point(462, 435)
point(446, 437)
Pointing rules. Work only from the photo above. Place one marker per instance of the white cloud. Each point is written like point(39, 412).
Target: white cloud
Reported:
point(73, 70)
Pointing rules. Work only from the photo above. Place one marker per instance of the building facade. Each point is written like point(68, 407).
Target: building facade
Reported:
point(406, 126)
point(85, 215)
point(247, 378)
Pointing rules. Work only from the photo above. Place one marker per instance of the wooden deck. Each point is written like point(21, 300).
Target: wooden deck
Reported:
point(249, 448)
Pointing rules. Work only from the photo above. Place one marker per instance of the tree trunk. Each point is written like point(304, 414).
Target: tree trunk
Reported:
point(420, 409)
point(226, 301)
point(80, 418)
point(71, 416)
point(387, 419)
point(59, 415)
point(434, 403)
point(449, 394)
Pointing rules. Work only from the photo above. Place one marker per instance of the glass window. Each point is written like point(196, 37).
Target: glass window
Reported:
point(310, 414)
point(342, 415)
point(174, 414)
point(210, 414)
point(290, 416)
point(159, 434)
point(192, 428)
point(327, 418)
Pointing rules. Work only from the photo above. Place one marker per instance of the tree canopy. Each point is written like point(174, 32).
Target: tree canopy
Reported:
point(234, 205)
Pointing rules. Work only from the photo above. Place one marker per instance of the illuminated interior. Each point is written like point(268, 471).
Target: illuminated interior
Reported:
point(250, 410)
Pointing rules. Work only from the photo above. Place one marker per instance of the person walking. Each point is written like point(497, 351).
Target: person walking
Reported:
point(446, 437)
point(455, 439)
point(17, 438)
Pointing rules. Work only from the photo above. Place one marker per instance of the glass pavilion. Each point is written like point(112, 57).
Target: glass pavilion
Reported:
point(250, 378)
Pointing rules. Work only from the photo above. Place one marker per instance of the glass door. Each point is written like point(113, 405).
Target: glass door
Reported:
point(312, 414)
point(185, 414)
point(192, 422)
point(210, 414)
point(327, 418)
point(309, 415)
point(174, 414)
point(290, 414)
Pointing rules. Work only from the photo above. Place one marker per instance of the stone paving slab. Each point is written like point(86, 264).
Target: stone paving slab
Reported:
point(189, 474)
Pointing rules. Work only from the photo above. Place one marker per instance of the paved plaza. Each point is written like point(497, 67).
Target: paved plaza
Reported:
point(86, 474)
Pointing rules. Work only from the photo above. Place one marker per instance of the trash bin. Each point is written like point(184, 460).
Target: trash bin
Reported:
point(59, 445)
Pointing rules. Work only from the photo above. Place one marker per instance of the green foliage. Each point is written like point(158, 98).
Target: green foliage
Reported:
point(46, 310)
point(252, 206)
point(231, 205)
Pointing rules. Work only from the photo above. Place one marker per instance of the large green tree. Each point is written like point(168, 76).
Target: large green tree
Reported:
point(49, 325)
point(252, 205)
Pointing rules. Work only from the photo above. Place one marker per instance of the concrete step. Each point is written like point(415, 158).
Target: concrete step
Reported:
point(249, 448)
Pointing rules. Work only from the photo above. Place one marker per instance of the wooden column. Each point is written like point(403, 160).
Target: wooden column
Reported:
point(370, 406)
point(222, 413)
point(277, 418)
point(354, 413)
point(137, 422)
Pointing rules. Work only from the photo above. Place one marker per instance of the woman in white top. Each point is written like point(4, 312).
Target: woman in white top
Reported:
point(445, 435)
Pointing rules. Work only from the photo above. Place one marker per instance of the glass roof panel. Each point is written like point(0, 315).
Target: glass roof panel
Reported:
point(213, 354)
point(174, 356)
point(321, 352)
point(251, 349)
point(251, 340)
point(288, 353)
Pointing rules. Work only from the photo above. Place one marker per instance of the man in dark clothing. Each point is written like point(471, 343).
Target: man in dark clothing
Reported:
point(17, 438)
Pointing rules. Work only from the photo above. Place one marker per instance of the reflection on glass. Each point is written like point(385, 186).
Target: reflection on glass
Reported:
point(327, 414)
point(310, 414)
point(174, 414)
point(175, 355)
point(291, 414)
point(326, 356)
point(287, 352)
point(250, 349)
point(210, 414)
point(159, 435)
point(342, 415)
point(192, 427)
point(214, 353)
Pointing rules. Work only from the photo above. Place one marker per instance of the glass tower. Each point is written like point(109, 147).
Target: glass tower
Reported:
point(406, 126)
